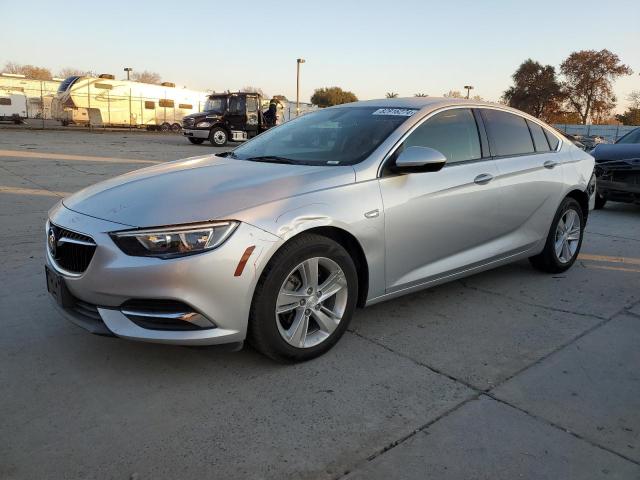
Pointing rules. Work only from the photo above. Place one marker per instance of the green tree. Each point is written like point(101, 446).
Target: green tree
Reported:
point(588, 80)
point(329, 96)
point(391, 95)
point(535, 90)
point(420, 95)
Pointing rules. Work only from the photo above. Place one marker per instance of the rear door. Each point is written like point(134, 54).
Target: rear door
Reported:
point(441, 222)
point(530, 174)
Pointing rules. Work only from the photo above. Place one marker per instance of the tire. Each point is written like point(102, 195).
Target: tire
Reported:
point(176, 127)
point(196, 141)
point(275, 334)
point(218, 137)
point(549, 260)
point(165, 127)
point(601, 200)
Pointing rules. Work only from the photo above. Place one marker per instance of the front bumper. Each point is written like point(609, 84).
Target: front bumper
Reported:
point(195, 133)
point(205, 282)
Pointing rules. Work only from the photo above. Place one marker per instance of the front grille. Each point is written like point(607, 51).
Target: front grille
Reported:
point(71, 251)
point(188, 122)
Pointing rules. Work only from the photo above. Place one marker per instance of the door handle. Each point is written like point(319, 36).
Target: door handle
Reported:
point(483, 178)
point(549, 164)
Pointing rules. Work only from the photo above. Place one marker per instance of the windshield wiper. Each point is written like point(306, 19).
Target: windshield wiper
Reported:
point(272, 159)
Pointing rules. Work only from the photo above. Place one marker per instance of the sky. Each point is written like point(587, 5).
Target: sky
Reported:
point(368, 47)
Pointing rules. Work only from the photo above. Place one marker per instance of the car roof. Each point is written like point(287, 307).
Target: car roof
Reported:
point(415, 102)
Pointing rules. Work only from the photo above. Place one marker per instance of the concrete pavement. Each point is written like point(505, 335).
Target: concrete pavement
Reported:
point(506, 374)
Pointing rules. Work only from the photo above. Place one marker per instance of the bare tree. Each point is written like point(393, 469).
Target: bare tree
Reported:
point(146, 77)
point(453, 94)
point(252, 89)
point(634, 99)
point(29, 71)
point(71, 72)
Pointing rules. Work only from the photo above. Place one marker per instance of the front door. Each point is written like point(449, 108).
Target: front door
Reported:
point(438, 223)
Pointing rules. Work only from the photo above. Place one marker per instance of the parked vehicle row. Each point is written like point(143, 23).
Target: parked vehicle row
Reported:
point(278, 241)
point(618, 170)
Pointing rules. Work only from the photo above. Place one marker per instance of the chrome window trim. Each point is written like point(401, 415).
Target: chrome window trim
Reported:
point(432, 113)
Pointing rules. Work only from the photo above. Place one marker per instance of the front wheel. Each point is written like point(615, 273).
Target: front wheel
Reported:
point(218, 137)
point(196, 141)
point(304, 300)
point(564, 239)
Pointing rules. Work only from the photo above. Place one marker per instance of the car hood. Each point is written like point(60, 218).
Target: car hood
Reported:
point(200, 189)
point(616, 151)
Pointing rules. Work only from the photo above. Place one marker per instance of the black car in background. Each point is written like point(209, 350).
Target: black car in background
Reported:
point(618, 170)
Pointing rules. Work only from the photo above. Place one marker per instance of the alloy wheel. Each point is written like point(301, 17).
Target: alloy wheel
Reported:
point(311, 302)
point(567, 237)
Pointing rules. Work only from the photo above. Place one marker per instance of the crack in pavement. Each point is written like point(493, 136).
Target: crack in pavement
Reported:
point(480, 392)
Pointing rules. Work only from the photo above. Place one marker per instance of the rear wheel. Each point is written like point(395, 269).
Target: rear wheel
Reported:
point(176, 127)
point(564, 239)
point(304, 300)
point(218, 136)
point(165, 127)
point(196, 141)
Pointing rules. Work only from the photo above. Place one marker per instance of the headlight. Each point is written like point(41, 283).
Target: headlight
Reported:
point(173, 242)
point(203, 124)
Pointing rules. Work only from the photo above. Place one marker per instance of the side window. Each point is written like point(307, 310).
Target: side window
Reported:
point(252, 104)
point(454, 133)
point(186, 106)
point(166, 103)
point(237, 105)
point(553, 140)
point(508, 133)
point(539, 138)
point(5, 101)
point(149, 105)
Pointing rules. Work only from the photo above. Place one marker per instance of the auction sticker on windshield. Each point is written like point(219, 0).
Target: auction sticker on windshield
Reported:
point(401, 112)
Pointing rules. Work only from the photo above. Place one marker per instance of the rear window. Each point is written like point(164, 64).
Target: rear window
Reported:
point(539, 138)
point(632, 137)
point(508, 133)
point(553, 140)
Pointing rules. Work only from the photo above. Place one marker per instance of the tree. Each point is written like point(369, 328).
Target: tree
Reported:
point(453, 94)
point(535, 90)
point(29, 71)
point(146, 77)
point(630, 117)
point(251, 89)
point(634, 99)
point(329, 96)
point(71, 72)
point(391, 95)
point(420, 95)
point(588, 80)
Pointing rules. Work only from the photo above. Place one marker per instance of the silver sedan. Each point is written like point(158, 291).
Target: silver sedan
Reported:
point(278, 241)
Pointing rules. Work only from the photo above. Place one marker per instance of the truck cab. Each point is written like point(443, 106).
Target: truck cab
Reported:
point(226, 117)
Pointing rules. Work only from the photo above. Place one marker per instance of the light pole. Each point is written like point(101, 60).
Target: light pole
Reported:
point(468, 88)
point(298, 62)
point(128, 70)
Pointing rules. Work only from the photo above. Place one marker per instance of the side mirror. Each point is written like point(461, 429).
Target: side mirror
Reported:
point(419, 159)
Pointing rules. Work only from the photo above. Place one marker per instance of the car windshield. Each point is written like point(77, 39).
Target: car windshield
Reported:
point(632, 137)
point(216, 104)
point(335, 136)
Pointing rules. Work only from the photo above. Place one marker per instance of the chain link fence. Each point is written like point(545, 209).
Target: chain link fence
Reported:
point(611, 133)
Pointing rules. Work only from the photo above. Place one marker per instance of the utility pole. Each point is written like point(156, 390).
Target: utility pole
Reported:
point(468, 88)
point(298, 62)
point(128, 70)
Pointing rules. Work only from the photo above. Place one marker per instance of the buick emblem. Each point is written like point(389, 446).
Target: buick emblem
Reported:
point(51, 240)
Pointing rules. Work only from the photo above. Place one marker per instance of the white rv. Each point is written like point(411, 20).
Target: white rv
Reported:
point(105, 101)
point(38, 93)
point(13, 106)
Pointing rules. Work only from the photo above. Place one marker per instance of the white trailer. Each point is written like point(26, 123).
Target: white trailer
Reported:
point(105, 101)
point(39, 93)
point(13, 106)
